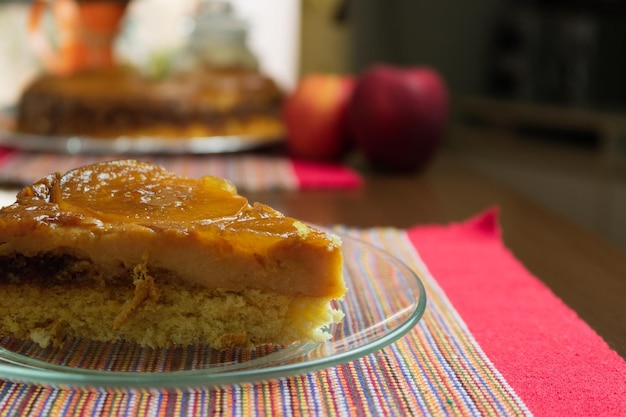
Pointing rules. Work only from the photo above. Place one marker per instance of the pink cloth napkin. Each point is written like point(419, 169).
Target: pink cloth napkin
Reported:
point(5, 153)
point(554, 361)
point(324, 175)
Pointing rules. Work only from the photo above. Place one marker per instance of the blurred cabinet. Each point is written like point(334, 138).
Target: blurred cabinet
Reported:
point(560, 52)
point(452, 36)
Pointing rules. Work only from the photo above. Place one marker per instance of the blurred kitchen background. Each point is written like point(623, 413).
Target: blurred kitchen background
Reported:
point(538, 87)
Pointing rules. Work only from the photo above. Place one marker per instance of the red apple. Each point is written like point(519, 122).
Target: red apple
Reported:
point(315, 116)
point(398, 115)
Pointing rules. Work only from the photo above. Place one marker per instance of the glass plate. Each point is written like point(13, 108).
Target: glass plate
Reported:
point(385, 300)
point(126, 145)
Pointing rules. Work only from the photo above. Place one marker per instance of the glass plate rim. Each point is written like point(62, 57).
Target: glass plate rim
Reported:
point(84, 144)
point(58, 375)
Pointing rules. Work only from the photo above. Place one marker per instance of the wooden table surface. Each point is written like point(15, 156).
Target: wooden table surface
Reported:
point(585, 271)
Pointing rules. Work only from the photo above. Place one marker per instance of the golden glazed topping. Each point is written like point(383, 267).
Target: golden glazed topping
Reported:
point(126, 192)
point(129, 192)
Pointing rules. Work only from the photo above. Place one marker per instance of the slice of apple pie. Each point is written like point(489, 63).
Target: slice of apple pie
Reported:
point(125, 250)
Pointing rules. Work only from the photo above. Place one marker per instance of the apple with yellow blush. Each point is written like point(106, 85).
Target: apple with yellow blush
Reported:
point(315, 116)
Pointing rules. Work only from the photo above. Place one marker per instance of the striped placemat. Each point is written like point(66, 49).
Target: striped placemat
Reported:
point(436, 369)
point(248, 171)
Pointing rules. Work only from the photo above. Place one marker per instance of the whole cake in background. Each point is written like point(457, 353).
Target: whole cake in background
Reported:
point(122, 102)
point(211, 87)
